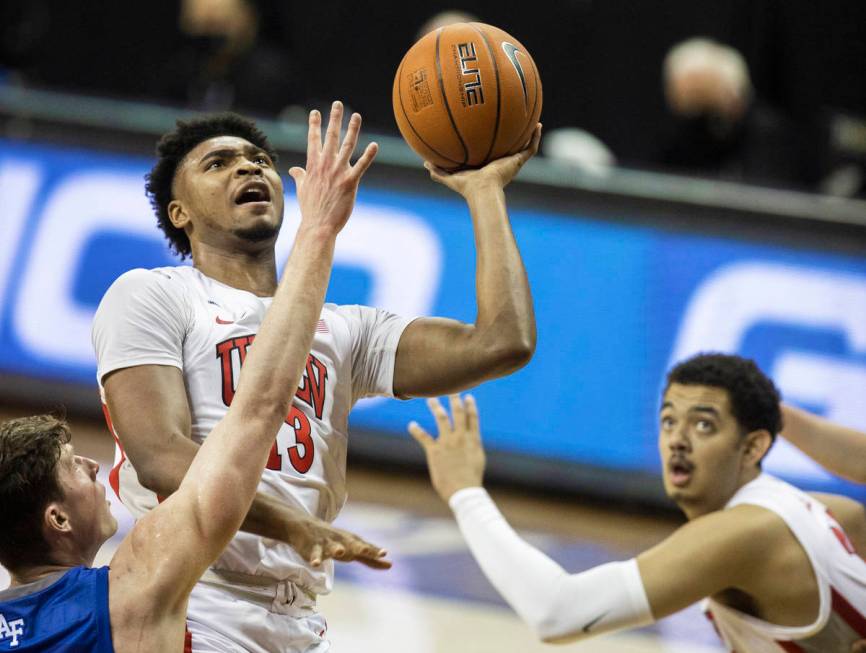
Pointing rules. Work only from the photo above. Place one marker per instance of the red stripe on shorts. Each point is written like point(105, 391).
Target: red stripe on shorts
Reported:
point(849, 613)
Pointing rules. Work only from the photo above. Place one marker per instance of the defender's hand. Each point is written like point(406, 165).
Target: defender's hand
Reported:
point(328, 185)
point(456, 458)
point(496, 174)
point(317, 540)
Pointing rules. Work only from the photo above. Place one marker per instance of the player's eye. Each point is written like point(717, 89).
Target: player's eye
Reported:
point(262, 160)
point(216, 163)
point(667, 422)
point(705, 426)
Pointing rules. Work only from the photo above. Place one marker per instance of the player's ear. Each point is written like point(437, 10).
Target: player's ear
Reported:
point(177, 214)
point(756, 445)
point(56, 518)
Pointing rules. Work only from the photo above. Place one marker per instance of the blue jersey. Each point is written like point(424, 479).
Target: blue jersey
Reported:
point(66, 612)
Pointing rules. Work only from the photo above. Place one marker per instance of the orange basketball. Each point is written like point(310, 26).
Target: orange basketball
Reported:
point(466, 94)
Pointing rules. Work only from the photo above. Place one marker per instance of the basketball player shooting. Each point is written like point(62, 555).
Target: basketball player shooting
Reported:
point(170, 343)
point(55, 515)
point(779, 572)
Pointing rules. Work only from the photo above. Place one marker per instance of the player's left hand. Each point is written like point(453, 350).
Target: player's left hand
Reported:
point(317, 540)
point(456, 458)
point(496, 174)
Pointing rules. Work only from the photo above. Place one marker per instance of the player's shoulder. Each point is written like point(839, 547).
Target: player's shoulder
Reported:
point(744, 530)
point(347, 314)
point(143, 279)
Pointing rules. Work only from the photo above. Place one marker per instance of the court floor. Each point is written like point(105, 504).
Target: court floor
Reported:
point(435, 599)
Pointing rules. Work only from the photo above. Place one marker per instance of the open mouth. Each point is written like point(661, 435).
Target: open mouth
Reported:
point(680, 471)
point(252, 193)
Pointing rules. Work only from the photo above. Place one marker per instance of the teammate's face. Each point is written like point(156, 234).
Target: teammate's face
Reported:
point(702, 448)
point(90, 521)
point(228, 194)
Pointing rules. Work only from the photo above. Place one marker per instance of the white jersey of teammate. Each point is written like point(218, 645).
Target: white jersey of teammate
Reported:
point(840, 572)
point(178, 316)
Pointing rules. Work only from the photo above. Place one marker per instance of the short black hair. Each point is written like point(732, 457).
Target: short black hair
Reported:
point(754, 397)
point(29, 450)
point(171, 150)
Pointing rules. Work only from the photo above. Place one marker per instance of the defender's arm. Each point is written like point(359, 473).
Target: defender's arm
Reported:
point(151, 417)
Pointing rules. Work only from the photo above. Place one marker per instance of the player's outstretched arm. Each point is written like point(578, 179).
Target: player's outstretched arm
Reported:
point(171, 546)
point(839, 449)
point(560, 607)
point(439, 356)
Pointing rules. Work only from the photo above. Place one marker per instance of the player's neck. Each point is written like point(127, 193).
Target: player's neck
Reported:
point(31, 574)
point(255, 272)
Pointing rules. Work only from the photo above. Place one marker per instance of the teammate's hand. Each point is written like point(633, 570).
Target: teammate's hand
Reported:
point(456, 458)
point(328, 185)
point(859, 647)
point(496, 174)
point(317, 540)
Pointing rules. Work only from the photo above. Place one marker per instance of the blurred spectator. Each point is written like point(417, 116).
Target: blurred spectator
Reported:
point(579, 149)
point(226, 59)
point(720, 127)
point(443, 19)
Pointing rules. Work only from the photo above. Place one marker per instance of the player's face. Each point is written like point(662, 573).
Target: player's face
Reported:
point(701, 446)
point(229, 194)
point(84, 502)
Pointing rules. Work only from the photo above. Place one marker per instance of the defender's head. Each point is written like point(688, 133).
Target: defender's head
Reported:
point(215, 182)
point(54, 509)
point(719, 416)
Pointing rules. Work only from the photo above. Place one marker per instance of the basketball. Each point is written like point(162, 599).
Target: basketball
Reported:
point(466, 94)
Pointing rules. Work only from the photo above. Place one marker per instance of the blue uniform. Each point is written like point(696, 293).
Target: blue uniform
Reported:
point(66, 612)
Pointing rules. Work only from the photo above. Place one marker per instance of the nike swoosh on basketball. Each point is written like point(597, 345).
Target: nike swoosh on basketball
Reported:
point(594, 621)
point(511, 52)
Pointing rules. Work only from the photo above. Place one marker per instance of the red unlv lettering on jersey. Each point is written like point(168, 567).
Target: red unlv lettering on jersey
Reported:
point(312, 392)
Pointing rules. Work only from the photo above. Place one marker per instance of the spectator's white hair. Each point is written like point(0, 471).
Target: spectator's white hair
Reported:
point(702, 52)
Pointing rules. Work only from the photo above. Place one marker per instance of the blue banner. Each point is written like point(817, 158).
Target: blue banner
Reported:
point(615, 304)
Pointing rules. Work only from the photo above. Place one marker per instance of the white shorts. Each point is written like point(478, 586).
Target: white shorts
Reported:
point(238, 619)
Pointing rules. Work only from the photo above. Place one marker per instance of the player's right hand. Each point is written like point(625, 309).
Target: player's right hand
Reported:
point(317, 540)
point(327, 186)
point(456, 458)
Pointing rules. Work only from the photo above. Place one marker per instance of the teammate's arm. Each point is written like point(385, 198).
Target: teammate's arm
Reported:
point(837, 448)
point(701, 558)
point(157, 442)
point(171, 546)
point(439, 356)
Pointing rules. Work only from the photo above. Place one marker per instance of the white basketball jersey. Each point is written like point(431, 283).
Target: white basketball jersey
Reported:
point(177, 316)
point(841, 575)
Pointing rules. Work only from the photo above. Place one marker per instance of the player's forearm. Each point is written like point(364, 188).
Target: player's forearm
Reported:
point(558, 606)
point(267, 517)
point(839, 449)
point(505, 323)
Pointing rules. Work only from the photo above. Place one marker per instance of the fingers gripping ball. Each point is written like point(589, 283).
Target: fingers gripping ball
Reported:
point(466, 94)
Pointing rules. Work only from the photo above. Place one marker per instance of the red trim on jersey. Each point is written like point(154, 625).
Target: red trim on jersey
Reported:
point(849, 613)
point(114, 474)
point(790, 647)
point(187, 642)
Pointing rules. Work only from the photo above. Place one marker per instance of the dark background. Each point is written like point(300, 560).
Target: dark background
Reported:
point(600, 60)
